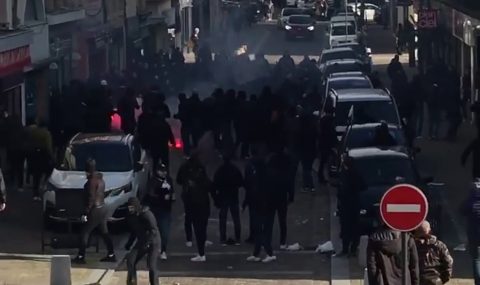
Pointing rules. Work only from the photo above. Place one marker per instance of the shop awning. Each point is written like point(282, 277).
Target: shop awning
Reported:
point(14, 60)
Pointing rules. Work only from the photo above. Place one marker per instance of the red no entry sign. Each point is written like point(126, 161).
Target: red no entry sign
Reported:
point(403, 207)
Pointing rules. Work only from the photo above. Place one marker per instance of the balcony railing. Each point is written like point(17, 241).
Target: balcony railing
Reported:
point(63, 5)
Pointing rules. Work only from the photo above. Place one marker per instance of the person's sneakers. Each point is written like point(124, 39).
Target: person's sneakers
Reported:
point(223, 243)
point(20, 189)
point(109, 258)
point(253, 258)
point(198, 258)
point(163, 256)
point(269, 258)
point(189, 244)
point(306, 190)
point(208, 243)
point(37, 198)
point(79, 260)
point(283, 246)
point(237, 242)
point(313, 190)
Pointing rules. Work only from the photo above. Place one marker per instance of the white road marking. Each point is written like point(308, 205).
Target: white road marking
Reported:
point(403, 208)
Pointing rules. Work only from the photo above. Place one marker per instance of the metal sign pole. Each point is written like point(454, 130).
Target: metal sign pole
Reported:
point(404, 257)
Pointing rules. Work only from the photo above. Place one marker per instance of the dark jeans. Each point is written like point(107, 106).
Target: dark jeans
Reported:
point(96, 218)
point(190, 138)
point(235, 213)
point(200, 222)
point(307, 164)
point(434, 117)
point(16, 159)
point(281, 210)
point(188, 224)
point(475, 254)
point(164, 218)
point(263, 225)
point(135, 255)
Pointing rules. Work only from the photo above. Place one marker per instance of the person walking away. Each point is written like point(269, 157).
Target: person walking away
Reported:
point(417, 91)
point(261, 208)
point(126, 109)
point(400, 39)
point(185, 117)
point(434, 112)
point(384, 258)
point(435, 262)
point(349, 210)
point(327, 141)
point(453, 105)
point(160, 198)
point(307, 149)
point(471, 210)
point(16, 146)
point(227, 181)
point(95, 214)
point(280, 188)
point(194, 42)
point(474, 149)
point(394, 67)
point(39, 155)
point(196, 196)
point(159, 136)
point(143, 229)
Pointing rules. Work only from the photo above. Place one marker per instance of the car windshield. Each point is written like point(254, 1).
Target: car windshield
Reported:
point(364, 137)
point(349, 83)
point(366, 112)
point(387, 170)
point(346, 54)
point(342, 30)
point(109, 157)
point(290, 12)
point(300, 20)
point(336, 68)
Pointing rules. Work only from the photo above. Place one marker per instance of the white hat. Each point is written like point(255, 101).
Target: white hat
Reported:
point(104, 82)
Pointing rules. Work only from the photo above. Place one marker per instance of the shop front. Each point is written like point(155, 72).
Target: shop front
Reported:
point(12, 87)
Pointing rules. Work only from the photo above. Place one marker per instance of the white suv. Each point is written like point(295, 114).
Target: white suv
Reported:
point(118, 157)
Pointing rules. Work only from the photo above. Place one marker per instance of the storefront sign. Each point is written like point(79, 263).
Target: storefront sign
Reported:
point(427, 19)
point(14, 60)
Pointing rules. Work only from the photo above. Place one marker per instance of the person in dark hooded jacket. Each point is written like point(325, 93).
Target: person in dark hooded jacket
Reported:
point(143, 229)
point(435, 262)
point(471, 210)
point(196, 198)
point(384, 258)
point(227, 181)
point(160, 198)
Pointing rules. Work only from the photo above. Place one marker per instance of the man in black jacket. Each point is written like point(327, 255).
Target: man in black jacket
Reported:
point(227, 181)
point(143, 229)
point(196, 198)
point(384, 255)
point(95, 213)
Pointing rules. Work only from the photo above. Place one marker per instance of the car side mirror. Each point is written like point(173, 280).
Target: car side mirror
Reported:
point(138, 166)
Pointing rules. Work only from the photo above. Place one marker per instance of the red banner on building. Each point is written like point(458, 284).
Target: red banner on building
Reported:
point(14, 60)
point(427, 19)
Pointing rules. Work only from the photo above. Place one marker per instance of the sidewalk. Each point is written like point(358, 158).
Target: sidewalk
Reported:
point(439, 159)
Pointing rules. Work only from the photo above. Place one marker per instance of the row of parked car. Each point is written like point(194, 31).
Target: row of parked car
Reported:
point(360, 111)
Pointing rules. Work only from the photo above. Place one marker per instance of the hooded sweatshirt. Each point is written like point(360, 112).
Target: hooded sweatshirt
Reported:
point(384, 259)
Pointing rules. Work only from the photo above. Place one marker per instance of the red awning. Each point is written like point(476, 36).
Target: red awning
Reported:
point(14, 60)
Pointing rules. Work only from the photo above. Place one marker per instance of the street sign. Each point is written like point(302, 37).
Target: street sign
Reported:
point(403, 207)
point(427, 19)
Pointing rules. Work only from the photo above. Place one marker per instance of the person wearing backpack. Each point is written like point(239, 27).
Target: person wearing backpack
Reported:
point(471, 210)
point(196, 198)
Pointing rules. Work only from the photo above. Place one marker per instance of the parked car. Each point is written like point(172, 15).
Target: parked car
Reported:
point(336, 54)
point(123, 164)
point(342, 32)
point(300, 26)
point(363, 53)
point(378, 169)
point(368, 105)
point(342, 65)
point(372, 12)
point(346, 80)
